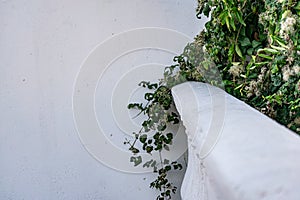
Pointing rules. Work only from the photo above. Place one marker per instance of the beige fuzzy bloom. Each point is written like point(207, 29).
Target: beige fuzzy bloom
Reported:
point(297, 120)
point(296, 69)
point(235, 69)
point(298, 85)
point(286, 73)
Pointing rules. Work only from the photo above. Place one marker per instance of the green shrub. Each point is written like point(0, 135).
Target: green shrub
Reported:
point(249, 48)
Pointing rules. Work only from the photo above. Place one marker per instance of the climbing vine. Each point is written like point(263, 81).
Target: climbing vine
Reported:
point(160, 113)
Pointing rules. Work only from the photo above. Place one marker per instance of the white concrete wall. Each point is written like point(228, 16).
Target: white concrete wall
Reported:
point(42, 46)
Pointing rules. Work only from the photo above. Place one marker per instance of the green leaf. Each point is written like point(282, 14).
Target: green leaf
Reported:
point(161, 127)
point(166, 147)
point(136, 160)
point(153, 164)
point(168, 168)
point(227, 23)
point(238, 51)
point(231, 52)
point(206, 10)
point(240, 19)
point(152, 86)
point(169, 136)
point(265, 56)
point(297, 7)
point(250, 51)
point(134, 150)
point(232, 24)
point(252, 76)
point(166, 161)
point(138, 106)
point(148, 163)
point(280, 41)
point(278, 48)
point(223, 17)
point(180, 166)
point(143, 138)
point(268, 50)
point(261, 63)
point(149, 96)
point(144, 83)
point(156, 136)
point(274, 69)
point(245, 42)
point(243, 31)
point(149, 149)
point(276, 79)
point(255, 44)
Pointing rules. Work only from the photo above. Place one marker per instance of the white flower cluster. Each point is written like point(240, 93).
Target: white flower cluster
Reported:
point(268, 17)
point(287, 26)
point(236, 69)
point(298, 86)
point(254, 86)
point(296, 69)
point(287, 72)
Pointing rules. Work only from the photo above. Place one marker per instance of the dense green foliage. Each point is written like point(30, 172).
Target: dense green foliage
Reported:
point(256, 47)
point(251, 48)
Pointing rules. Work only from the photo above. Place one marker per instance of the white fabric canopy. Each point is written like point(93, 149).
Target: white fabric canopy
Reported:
point(235, 152)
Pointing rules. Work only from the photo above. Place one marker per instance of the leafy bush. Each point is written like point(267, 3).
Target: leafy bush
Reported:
point(256, 47)
point(253, 46)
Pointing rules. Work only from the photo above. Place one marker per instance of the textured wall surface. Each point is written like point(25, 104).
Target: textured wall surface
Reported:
point(42, 46)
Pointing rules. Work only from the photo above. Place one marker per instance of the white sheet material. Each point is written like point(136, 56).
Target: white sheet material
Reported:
point(235, 152)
